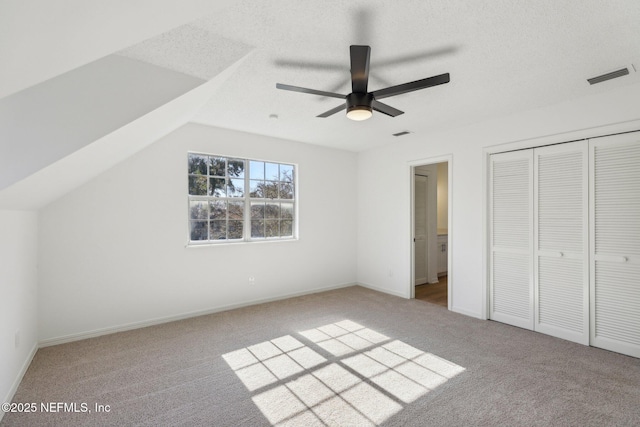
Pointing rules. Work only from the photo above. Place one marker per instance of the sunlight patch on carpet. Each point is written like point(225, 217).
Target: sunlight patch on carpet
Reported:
point(346, 374)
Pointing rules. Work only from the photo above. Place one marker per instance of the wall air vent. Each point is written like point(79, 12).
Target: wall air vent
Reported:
point(404, 132)
point(612, 75)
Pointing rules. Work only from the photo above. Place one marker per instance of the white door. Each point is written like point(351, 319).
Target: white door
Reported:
point(615, 243)
point(561, 267)
point(420, 230)
point(511, 238)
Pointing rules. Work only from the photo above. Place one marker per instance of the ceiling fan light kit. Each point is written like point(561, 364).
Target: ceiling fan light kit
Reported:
point(359, 113)
point(359, 106)
point(360, 103)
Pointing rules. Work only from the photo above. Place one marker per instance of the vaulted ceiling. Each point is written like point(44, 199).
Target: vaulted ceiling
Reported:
point(503, 56)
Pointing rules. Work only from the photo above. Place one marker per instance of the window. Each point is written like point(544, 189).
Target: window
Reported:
point(232, 199)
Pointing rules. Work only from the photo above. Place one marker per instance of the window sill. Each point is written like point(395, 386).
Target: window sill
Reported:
point(242, 242)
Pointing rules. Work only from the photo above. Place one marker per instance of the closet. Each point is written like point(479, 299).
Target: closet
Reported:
point(564, 231)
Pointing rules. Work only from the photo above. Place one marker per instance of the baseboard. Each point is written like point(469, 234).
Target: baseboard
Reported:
point(467, 312)
point(160, 320)
point(18, 380)
point(384, 291)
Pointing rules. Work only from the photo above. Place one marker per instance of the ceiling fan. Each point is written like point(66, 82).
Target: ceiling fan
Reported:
point(360, 103)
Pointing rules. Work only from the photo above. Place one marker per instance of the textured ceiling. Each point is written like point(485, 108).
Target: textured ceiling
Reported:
point(504, 56)
point(189, 50)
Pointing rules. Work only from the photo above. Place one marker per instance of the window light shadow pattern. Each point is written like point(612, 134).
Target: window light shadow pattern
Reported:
point(362, 379)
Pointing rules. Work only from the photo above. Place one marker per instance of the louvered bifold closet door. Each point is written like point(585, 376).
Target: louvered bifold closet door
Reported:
point(561, 267)
point(511, 238)
point(615, 243)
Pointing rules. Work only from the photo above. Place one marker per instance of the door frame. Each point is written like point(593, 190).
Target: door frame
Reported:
point(411, 172)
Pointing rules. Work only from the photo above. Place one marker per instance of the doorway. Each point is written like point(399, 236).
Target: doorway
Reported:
point(430, 220)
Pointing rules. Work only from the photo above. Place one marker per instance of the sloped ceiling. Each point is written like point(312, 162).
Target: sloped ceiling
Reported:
point(97, 99)
point(41, 39)
point(504, 56)
point(61, 176)
point(48, 121)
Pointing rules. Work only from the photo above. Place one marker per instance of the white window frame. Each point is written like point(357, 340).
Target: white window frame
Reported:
point(246, 199)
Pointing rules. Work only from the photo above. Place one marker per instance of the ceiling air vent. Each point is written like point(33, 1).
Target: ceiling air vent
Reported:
point(612, 75)
point(404, 132)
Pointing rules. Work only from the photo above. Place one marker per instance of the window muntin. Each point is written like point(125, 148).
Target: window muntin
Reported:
point(234, 199)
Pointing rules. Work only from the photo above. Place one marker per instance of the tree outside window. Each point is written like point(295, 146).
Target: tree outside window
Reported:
point(234, 199)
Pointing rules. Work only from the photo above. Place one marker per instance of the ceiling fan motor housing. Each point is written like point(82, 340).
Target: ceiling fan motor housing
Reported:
point(359, 101)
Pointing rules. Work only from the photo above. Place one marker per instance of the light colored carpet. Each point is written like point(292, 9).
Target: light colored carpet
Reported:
point(345, 357)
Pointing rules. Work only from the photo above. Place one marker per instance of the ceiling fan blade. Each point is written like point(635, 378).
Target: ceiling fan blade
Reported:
point(415, 57)
point(360, 56)
point(339, 85)
point(333, 111)
point(310, 91)
point(309, 64)
point(411, 86)
point(372, 76)
point(385, 109)
point(382, 81)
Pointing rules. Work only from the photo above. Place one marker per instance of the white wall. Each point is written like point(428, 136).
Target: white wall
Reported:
point(113, 251)
point(18, 297)
point(384, 199)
